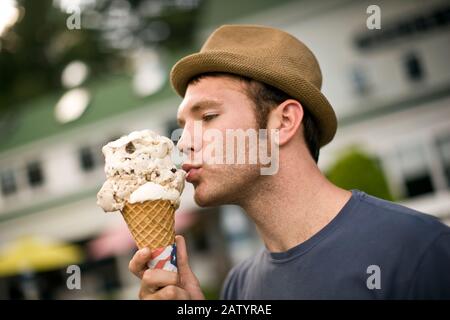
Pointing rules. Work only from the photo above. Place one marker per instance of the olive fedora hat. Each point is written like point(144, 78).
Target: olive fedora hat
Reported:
point(265, 54)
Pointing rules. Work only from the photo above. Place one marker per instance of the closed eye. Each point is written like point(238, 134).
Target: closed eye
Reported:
point(209, 117)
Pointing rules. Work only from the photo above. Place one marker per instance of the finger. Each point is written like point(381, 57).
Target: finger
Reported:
point(182, 256)
point(153, 279)
point(187, 279)
point(138, 263)
point(168, 293)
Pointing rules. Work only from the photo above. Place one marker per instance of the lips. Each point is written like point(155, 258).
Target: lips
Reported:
point(192, 172)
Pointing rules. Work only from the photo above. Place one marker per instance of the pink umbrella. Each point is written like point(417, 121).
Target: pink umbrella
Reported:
point(112, 242)
point(184, 220)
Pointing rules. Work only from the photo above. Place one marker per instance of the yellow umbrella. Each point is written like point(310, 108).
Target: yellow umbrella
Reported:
point(37, 254)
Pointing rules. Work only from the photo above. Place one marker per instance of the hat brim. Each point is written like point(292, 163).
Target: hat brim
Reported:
point(258, 68)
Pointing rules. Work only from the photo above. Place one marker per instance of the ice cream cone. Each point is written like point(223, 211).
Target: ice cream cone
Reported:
point(152, 223)
point(144, 184)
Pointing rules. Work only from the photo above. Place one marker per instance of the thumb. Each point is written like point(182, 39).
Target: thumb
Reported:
point(188, 280)
point(184, 270)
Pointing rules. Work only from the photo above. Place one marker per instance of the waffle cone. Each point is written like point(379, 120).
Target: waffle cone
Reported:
point(152, 223)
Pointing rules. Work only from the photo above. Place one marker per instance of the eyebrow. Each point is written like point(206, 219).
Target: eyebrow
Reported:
point(199, 106)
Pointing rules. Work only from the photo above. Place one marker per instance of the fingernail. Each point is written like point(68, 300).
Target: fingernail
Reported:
point(145, 251)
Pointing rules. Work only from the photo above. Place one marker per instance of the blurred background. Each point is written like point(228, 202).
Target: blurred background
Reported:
point(75, 74)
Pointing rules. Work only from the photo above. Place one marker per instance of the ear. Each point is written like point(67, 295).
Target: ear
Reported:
point(287, 118)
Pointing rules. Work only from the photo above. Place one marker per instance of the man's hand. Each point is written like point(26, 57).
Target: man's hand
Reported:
point(157, 284)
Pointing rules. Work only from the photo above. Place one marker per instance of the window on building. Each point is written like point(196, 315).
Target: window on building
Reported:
point(360, 81)
point(200, 241)
point(35, 174)
point(413, 67)
point(443, 145)
point(8, 182)
point(87, 159)
point(421, 23)
point(417, 176)
point(199, 232)
point(419, 184)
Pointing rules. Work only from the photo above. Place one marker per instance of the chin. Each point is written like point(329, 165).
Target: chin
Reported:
point(206, 198)
point(202, 199)
point(201, 202)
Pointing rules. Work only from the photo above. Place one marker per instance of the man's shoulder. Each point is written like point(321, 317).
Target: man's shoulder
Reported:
point(387, 216)
point(395, 236)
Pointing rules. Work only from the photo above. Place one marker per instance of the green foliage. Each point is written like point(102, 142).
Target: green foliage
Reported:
point(34, 52)
point(354, 169)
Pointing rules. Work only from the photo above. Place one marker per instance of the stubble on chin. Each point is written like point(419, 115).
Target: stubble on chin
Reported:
point(228, 185)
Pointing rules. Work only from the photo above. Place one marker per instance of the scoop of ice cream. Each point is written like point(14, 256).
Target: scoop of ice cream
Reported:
point(138, 168)
point(151, 190)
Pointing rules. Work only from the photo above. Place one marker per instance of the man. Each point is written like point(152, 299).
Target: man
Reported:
point(321, 242)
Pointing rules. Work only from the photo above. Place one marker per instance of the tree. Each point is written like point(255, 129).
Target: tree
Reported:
point(355, 169)
point(36, 49)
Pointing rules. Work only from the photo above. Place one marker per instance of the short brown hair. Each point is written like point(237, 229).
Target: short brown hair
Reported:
point(265, 98)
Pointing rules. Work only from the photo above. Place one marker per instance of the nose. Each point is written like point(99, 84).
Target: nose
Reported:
point(188, 143)
point(184, 145)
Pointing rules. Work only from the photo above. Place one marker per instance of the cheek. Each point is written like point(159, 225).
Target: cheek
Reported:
point(222, 180)
point(215, 145)
point(239, 117)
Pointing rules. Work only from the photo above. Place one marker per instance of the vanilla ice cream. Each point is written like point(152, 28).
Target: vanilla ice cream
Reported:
point(139, 168)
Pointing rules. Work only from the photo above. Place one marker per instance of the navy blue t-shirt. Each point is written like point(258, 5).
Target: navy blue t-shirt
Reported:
point(373, 249)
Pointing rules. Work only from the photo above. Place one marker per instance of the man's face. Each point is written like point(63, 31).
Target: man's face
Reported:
point(217, 103)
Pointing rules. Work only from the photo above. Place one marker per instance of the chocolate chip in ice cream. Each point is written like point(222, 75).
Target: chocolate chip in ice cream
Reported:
point(130, 148)
point(138, 168)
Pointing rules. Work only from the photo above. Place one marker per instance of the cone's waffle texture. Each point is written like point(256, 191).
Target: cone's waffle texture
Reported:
point(152, 223)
